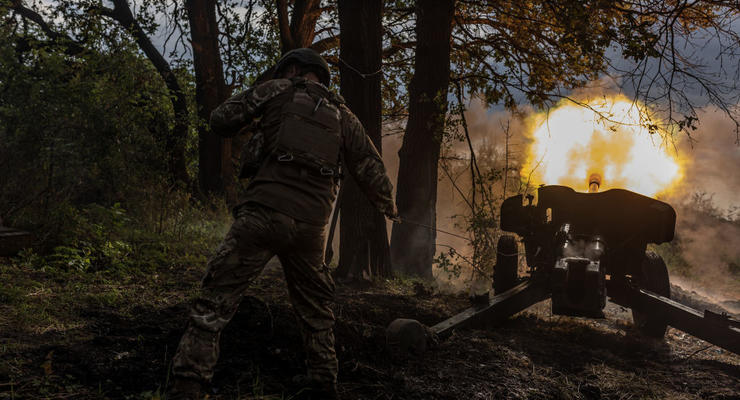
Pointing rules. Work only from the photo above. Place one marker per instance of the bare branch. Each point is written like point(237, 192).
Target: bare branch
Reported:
point(286, 38)
point(73, 47)
point(325, 44)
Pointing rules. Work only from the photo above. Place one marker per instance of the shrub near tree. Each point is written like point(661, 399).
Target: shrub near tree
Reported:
point(83, 158)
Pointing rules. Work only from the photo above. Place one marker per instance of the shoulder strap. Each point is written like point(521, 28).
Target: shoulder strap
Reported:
point(337, 99)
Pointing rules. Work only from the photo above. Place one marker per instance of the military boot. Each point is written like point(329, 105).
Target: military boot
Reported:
point(313, 390)
point(323, 392)
point(185, 389)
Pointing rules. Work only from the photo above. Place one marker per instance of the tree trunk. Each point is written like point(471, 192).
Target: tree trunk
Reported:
point(363, 246)
point(301, 29)
point(215, 174)
point(413, 246)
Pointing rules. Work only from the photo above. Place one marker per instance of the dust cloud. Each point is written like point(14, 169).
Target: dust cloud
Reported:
point(712, 161)
point(488, 132)
point(707, 205)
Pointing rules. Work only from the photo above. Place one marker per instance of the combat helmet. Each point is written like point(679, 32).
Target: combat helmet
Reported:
point(305, 56)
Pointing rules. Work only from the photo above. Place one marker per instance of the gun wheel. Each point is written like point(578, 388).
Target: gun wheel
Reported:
point(505, 272)
point(653, 277)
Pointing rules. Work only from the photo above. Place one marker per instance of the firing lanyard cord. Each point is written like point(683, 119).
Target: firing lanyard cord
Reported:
point(405, 221)
point(357, 71)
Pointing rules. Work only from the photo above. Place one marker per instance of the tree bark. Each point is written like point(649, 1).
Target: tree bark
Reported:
point(301, 29)
point(298, 30)
point(413, 246)
point(215, 174)
point(363, 249)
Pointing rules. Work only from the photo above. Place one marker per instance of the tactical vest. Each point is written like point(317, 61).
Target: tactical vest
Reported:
point(310, 130)
point(303, 137)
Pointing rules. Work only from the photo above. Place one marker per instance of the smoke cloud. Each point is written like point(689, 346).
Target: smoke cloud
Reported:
point(712, 160)
point(706, 202)
point(488, 132)
point(704, 257)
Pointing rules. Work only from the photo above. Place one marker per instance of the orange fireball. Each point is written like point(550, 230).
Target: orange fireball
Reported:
point(608, 137)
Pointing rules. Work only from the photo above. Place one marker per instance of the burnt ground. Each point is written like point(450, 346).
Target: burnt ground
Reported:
point(63, 337)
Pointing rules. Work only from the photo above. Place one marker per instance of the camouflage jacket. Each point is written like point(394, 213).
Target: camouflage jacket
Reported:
point(360, 157)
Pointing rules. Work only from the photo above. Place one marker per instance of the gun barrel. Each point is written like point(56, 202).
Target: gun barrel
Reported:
point(594, 183)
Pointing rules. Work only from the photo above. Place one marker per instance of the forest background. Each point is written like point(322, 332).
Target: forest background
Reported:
point(106, 155)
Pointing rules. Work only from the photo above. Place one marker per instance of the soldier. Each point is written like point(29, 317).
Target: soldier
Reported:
point(306, 137)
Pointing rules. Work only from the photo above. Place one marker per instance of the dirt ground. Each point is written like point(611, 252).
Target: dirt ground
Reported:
point(61, 339)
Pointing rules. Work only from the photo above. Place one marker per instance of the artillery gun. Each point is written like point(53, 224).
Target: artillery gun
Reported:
point(580, 250)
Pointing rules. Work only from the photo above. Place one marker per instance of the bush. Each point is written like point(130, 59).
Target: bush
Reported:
point(83, 162)
point(178, 232)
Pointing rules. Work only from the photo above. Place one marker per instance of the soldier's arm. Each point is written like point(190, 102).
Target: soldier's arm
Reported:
point(239, 110)
point(363, 162)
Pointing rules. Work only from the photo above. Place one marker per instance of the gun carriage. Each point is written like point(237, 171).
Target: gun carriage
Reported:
point(581, 249)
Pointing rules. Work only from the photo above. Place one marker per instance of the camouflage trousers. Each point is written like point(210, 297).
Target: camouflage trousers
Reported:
point(257, 234)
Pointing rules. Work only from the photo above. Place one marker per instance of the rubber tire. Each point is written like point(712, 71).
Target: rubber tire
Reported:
point(505, 272)
point(655, 279)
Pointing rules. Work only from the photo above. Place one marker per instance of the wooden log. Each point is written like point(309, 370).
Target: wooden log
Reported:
point(12, 241)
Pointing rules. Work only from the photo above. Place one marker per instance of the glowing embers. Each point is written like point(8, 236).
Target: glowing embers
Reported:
point(608, 137)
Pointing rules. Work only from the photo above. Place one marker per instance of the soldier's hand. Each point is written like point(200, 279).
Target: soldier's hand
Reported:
point(392, 213)
point(248, 128)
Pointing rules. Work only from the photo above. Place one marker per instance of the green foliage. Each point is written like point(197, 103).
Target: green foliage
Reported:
point(76, 129)
point(672, 254)
point(83, 158)
point(94, 238)
point(448, 262)
point(478, 177)
point(9, 294)
point(252, 42)
point(479, 222)
point(481, 225)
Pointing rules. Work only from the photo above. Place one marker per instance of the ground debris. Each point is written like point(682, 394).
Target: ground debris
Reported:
point(123, 350)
